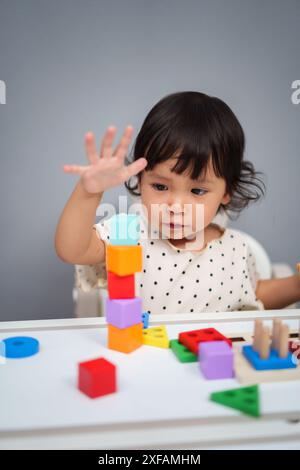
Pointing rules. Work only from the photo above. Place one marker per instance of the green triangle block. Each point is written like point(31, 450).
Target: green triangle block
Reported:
point(181, 352)
point(245, 399)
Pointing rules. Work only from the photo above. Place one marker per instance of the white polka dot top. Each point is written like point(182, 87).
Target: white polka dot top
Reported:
point(220, 277)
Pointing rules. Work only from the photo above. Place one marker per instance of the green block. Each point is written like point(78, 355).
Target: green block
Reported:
point(181, 352)
point(245, 399)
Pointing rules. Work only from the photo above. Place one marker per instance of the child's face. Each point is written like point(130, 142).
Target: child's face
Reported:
point(179, 196)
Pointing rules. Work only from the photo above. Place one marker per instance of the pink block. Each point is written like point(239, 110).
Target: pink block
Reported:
point(123, 313)
point(216, 360)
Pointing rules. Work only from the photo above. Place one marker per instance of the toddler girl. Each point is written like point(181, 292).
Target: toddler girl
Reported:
point(188, 153)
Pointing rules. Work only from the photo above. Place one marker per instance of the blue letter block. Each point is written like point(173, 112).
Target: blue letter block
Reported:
point(145, 319)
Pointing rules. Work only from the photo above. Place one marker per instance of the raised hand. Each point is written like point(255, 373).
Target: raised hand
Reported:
point(108, 169)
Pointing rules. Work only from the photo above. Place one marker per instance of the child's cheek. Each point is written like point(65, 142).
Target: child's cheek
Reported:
point(200, 218)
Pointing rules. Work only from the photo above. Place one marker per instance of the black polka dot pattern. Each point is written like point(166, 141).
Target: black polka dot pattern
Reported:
point(221, 277)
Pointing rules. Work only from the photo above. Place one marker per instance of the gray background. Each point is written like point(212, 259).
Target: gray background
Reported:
point(74, 66)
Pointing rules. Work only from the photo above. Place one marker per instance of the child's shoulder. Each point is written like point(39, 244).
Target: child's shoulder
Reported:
point(236, 239)
point(227, 238)
point(233, 233)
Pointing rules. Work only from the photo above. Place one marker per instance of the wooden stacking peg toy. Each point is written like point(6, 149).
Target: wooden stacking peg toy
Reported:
point(123, 259)
point(265, 356)
point(283, 343)
point(275, 332)
point(264, 343)
point(258, 325)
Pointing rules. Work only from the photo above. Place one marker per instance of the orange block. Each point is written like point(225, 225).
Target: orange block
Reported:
point(126, 339)
point(124, 260)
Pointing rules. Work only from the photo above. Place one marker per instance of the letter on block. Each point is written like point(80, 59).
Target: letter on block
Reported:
point(216, 360)
point(124, 229)
point(123, 312)
point(124, 260)
point(97, 377)
point(125, 340)
point(120, 287)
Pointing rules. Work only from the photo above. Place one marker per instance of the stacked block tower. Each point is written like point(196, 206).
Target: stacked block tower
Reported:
point(123, 259)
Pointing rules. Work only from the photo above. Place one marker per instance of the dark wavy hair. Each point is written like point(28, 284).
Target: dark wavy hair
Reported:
point(199, 127)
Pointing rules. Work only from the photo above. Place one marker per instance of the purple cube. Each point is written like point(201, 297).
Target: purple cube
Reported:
point(123, 312)
point(216, 360)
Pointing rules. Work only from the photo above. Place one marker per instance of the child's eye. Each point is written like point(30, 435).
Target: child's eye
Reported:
point(198, 189)
point(158, 186)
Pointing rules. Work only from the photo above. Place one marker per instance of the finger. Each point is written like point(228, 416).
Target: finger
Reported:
point(135, 167)
point(106, 145)
point(90, 148)
point(122, 148)
point(75, 169)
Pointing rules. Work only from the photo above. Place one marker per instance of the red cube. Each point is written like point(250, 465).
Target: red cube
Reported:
point(97, 377)
point(192, 339)
point(120, 287)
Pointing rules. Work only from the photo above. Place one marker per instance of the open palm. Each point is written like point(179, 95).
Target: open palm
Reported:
point(107, 169)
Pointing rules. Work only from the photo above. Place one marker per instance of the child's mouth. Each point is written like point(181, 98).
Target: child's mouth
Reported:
point(174, 226)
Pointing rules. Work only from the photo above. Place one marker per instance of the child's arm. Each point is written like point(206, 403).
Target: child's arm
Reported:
point(75, 240)
point(278, 293)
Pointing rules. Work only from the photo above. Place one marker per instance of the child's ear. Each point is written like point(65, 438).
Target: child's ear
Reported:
point(226, 199)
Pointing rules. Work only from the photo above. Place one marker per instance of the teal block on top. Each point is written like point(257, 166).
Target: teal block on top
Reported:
point(124, 229)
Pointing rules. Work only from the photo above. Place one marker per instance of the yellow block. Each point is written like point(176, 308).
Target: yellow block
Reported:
point(156, 336)
point(124, 260)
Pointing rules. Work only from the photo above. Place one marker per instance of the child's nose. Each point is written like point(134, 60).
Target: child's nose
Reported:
point(177, 205)
point(176, 208)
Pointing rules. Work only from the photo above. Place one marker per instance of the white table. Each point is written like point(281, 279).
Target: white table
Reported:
point(160, 403)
